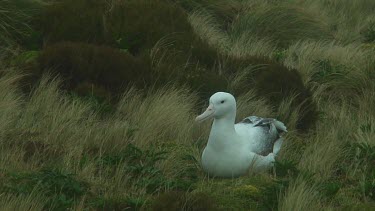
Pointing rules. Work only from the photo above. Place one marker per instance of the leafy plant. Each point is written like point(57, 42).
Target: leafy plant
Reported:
point(327, 71)
point(285, 168)
point(61, 188)
point(140, 165)
point(279, 55)
point(330, 188)
point(24, 58)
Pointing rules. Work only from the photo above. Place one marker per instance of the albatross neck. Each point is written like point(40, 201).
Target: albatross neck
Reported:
point(222, 132)
point(225, 124)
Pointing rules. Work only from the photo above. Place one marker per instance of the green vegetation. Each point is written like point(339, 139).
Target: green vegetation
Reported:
point(98, 100)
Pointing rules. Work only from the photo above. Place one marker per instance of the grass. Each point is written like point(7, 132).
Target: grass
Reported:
point(61, 150)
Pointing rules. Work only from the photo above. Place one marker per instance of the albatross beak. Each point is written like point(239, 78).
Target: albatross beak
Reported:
point(207, 114)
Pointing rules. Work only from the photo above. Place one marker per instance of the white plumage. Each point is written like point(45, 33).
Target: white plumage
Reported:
point(235, 149)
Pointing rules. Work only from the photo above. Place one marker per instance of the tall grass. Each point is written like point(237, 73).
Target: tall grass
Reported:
point(300, 196)
point(58, 151)
point(282, 24)
point(30, 202)
point(346, 18)
point(15, 23)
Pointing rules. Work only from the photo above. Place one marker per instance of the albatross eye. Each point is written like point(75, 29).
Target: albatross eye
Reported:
point(222, 101)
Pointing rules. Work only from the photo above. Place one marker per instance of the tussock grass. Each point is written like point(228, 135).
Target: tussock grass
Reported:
point(29, 202)
point(283, 24)
point(208, 29)
point(13, 22)
point(300, 196)
point(350, 15)
point(59, 151)
point(160, 115)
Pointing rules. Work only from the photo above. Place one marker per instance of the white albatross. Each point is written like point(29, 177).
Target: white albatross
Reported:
point(234, 150)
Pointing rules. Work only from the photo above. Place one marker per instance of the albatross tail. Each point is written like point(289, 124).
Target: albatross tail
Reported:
point(280, 126)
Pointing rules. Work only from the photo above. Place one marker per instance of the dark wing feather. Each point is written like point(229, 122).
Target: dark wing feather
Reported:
point(268, 124)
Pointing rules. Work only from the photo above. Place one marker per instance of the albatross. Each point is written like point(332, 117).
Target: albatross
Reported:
point(234, 150)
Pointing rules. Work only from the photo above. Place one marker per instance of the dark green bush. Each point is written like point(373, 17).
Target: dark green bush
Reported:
point(142, 167)
point(141, 23)
point(276, 82)
point(62, 189)
point(107, 68)
point(207, 82)
point(74, 20)
point(137, 26)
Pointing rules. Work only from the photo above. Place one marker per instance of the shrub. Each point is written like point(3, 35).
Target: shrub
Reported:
point(141, 165)
point(107, 68)
point(206, 82)
point(74, 20)
point(61, 188)
point(139, 25)
point(275, 82)
point(279, 83)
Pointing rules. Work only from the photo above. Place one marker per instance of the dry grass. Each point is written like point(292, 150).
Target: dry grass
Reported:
point(32, 202)
point(300, 196)
point(116, 156)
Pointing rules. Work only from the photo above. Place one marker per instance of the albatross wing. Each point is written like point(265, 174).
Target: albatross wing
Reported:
point(267, 132)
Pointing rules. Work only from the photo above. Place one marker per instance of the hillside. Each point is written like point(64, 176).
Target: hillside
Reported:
point(98, 100)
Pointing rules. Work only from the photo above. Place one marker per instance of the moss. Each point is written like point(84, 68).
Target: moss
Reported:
point(245, 193)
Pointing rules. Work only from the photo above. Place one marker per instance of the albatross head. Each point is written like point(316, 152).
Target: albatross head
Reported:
point(222, 105)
